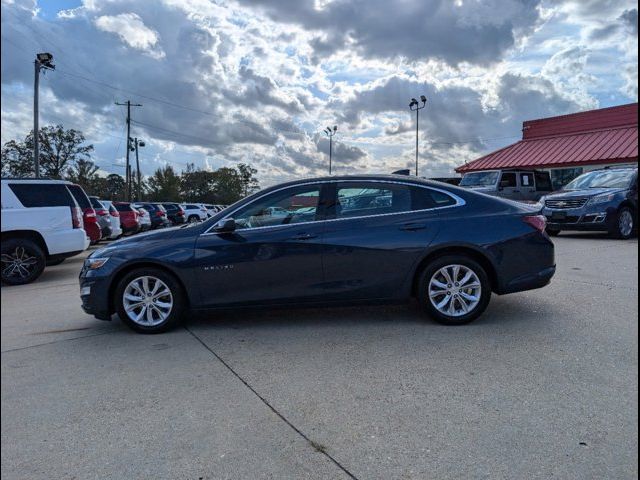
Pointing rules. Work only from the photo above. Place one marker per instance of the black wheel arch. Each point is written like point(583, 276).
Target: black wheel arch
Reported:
point(29, 235)
point(129, 267)
point(482, 258)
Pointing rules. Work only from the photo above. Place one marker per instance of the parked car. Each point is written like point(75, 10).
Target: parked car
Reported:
point(450, 247)
point(116, 229)
point(194, 212)
point(175, 213)
point(41, 225)
point(157, 214)
point(104, 218)
point(601, 200)
point(144, 219)
point(89, 216)
point(523, 185)
point(128, 218)
point(213, 209)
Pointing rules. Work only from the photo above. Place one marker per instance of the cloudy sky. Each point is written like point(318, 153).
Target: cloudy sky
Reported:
point(257, 81)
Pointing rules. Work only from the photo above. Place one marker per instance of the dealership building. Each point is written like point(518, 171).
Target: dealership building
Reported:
point(569, 145)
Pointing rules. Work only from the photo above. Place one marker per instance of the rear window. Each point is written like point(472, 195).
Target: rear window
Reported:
point(171, 206)
point(148, 206)
point(95, 203)
point(191, 207)
point(80, 196)
point(123, 207)
point(33, 195)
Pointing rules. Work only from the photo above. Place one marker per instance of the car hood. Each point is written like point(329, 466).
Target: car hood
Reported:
point(586, 192)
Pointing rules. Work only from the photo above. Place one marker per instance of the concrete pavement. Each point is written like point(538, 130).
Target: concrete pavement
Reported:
point(544, 385)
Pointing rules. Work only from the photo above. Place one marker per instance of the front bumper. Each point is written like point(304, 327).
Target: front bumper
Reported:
point(94, 295)
point(588, 218)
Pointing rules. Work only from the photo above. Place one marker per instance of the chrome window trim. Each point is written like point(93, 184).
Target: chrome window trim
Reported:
point(459, 203)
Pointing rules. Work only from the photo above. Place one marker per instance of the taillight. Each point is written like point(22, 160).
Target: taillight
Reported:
point(76, 217)
point(115, 213)
point(180, 213)
point(539, 222)
point(101, 212)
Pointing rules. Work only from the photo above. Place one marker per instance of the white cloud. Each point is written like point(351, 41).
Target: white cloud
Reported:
point(131, 30)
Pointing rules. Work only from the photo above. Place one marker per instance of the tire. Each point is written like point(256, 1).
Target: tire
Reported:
point(23, 261)
point(553, 232)
point(624, 225)
point(193, 219)
point(465, 265)
point(157, 324)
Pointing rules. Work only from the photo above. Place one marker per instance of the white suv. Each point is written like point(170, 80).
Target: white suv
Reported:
point(41, 225)
point(194, 212)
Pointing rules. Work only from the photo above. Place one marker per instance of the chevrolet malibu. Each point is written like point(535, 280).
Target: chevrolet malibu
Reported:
point(343, 240)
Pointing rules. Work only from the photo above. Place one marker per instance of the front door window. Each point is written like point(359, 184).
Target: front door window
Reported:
point(290, 206)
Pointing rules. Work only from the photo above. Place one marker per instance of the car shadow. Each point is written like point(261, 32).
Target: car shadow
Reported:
point(502, 311)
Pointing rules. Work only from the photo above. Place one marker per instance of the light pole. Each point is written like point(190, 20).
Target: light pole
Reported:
point(42, 61)
point(134, 143)
point(329, 132)
point(414, 106)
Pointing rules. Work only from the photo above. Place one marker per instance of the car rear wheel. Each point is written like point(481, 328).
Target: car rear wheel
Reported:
point(194, 219)
point(454, 290)
point(150, 300)
point(625, 224)
point(22, 261)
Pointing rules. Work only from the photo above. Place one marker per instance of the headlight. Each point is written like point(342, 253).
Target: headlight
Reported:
point(95, 263)
point(602, 199)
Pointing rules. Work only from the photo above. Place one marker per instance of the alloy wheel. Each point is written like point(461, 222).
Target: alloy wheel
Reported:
point(455, 290)
point(18, 264)
point(625, 223)
point(147, 301)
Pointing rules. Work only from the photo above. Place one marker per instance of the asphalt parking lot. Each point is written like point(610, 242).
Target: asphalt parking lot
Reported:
point(543, 386)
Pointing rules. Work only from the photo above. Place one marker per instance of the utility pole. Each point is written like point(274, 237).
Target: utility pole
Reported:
point(138, 143)
point(329, 132)
point(128, 167)
point(42, 61)
point(413, 106)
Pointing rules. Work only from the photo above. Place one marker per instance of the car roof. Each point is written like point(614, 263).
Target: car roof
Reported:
point(35, 180)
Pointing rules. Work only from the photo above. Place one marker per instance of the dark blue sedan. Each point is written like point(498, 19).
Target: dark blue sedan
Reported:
point(327, 241)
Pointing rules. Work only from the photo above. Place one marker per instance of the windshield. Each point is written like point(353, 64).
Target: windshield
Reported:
point(479, 179)
point(601, 179)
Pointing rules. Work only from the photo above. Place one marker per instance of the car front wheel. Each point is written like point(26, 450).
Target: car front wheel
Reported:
point(22, 261)
point(625, 224)
point(150, 300)
point(454, 290)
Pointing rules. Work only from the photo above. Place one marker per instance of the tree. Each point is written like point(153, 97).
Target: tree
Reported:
point(60, 149)
point(197, 185)
point(164, 184)
point(249, 181)
point(85, 174)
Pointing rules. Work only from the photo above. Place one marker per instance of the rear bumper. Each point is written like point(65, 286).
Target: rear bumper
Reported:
point(530, 281)
point(65, 241)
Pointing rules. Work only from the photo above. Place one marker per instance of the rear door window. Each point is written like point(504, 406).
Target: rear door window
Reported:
point(95, 203)
point(33, 195)
point(359, 199)
point(425, 198)
point(80, 196)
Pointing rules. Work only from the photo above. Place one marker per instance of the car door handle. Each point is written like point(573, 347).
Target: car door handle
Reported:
point(412, 227)
point(303, 236)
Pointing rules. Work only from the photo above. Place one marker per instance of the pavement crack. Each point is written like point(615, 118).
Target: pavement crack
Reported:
point(315, 445)
point(9, 350)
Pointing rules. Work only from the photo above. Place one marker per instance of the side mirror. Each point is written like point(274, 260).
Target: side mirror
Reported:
point(225, 225)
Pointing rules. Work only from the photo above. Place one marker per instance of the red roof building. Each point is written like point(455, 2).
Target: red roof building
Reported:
point(569, 145)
